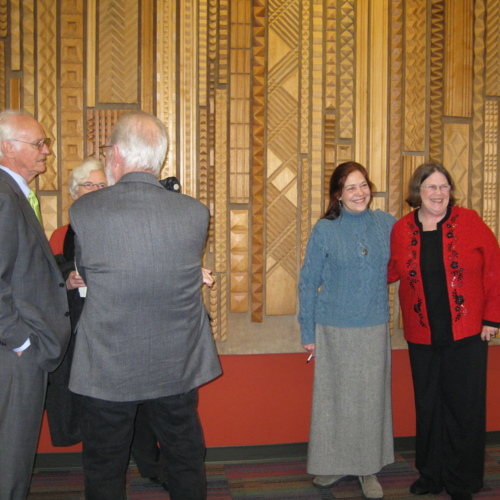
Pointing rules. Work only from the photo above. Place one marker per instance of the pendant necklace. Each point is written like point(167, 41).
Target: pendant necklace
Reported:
point(364, 250)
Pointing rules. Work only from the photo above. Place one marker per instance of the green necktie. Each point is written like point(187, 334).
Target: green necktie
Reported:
point(33, 200)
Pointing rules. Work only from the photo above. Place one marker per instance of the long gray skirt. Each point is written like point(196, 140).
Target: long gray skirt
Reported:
point(351, 421)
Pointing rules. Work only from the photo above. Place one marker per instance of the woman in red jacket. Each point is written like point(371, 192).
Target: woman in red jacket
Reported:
point(448, 264)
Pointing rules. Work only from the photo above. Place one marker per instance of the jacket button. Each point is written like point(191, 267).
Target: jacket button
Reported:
point(66, 313)
point(61, 285)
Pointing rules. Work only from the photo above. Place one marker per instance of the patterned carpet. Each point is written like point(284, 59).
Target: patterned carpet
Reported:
point(268, 480)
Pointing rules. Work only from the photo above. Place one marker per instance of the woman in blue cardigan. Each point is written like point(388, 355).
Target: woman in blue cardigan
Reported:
point(344, 316)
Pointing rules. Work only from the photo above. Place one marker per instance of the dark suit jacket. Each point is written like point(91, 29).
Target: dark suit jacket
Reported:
point(144, 332)
point(33, 300)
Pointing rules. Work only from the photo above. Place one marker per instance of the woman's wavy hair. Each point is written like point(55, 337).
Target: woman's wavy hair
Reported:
point(419, 176)
point(337, 183)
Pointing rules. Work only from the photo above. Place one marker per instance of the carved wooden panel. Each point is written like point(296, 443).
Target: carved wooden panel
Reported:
point(456, 157)
point(258, 167)
point(396, 108)
point(48, 207)
point(166, 58)
point(478, 85)
point(436, 102)
point(458, 58)
point(410, 164)
point(330, 56)
point(239, 127)
point(28, 54)
point(282, 158)
point(15, 93)
point(3, 96)
point(47, 59)
point(4, 19)
point(415, 87)
point(15, 35)
point(493, 49)
point(305, 74)
point(118, 51)
point(315, 136)
point(223, 42)
point(491, 164)
point(361, 82)
point(239, 262)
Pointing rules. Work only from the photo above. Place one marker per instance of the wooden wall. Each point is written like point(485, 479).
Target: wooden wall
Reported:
point(262, 99)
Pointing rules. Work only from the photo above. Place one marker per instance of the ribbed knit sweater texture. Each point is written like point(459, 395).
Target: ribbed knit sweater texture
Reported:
point(339, 285)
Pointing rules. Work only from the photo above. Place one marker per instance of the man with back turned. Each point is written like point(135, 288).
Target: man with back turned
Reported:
point(34, 317)
point(144, 335)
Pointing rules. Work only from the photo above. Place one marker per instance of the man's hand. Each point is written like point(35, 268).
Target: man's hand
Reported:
point(74, 281)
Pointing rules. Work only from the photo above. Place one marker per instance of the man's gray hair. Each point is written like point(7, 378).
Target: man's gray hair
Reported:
point(7, 128)
point(142, 140)
point(81, 174)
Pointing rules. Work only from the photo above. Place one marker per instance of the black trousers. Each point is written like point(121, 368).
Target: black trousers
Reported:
point(450, 399)
point(145, 450)
point(107, 436)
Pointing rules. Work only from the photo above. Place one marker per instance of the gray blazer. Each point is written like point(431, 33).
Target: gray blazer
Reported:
point(144, 332)
point(33, 301)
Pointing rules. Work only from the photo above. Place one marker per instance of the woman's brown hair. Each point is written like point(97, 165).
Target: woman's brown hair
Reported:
point(423, 171)
point(337, 183)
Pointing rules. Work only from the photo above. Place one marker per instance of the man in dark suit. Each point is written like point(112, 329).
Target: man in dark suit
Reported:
point(144, 335)
point(34, 318)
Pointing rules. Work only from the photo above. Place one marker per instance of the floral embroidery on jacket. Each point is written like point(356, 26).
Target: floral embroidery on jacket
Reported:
point(412, 267)
point(457, 272)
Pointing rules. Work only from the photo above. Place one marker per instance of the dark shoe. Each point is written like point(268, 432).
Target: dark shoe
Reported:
point(423, 486)
point(162, 482)
point(461, 496)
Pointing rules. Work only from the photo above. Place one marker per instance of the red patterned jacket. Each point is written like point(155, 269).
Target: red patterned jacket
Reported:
point(472, 266)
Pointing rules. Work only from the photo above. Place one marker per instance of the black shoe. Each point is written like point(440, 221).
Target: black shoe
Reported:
point(422, 486)
point(461, 496)
point(162, 482)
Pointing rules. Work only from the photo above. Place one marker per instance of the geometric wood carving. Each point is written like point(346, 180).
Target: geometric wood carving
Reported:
point(239, 116)
point(4, 20)
point(118, 51)
point(330, 70)
point(239, 265)
point(147, 44)
point(396, 109)
point(28, 55)
point(493, 49)
point(458, 58)
point(362, 86)
point(456, 157)
point(71, 84)
point(436, 101)
point(415, 87)
point(3, 95)
point(491, 165)
point(47, 85)
point(258, 167)
point(346, 70)
point(305, 84)
point(316, 93)
point(91, 47)
point(478, 87)
point(15, 35)
point(282, 156)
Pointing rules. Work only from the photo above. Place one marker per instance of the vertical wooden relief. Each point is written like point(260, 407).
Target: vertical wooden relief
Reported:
point(436, 102)
point(282, 149)
point(239, 117)
point(187, 117)
point(15, 35)
point(478, 84)
point(305, 86)
point(493, 48)
point(415, 89)
point(491, 165)
point(378, 96)
point(91, 52)
point(72, 81)
point(410, 164)
point(166, 96)
point(3, 96)
point(304, 213)
point(118, 51)
point(147, 44)
point(258, 165)
point(4, 19)
point(239, 265)
point(456, 157)
point(346, 70)
point(396, 109)
point(458, 58)
point(28, 48)
point(316, 83)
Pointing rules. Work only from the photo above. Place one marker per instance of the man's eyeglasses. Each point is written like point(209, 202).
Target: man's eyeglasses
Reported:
point(102, 150)
point(40, 144)
point(91, 185)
